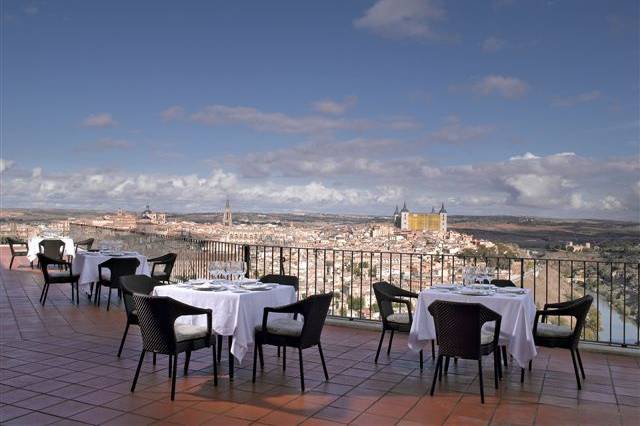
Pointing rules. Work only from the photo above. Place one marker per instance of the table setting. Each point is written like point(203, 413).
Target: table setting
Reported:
point(86, 263)
point(33, 246)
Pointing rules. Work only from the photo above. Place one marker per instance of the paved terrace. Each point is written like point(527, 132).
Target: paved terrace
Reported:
point(59, 366)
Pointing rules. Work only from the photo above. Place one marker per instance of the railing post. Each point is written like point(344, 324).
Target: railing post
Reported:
point(282, 260)
point(522, 274)
point(246, 257)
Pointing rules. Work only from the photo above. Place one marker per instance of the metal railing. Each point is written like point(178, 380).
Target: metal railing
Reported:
point(350, 274)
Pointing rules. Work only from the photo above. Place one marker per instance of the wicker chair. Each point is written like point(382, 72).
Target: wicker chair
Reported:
point(459, 333)
point(160, 334)
point(130, 284)
point(562, 336)
point(118, 267)
point(291, 280)
point(53, 249)
point(162, 266)
point(503, 283)
point(18, 248)
point(65, 276)
point(84, 244)
point(293, 333)
point(386, 295)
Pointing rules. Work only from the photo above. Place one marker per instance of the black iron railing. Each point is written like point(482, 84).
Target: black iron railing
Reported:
point(350, 274)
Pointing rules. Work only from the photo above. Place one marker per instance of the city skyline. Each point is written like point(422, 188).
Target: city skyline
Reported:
point(335, 107)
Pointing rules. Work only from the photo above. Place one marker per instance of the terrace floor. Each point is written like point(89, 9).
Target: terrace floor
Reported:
point(58, 366)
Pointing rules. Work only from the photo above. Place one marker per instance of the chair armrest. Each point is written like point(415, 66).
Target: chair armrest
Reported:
point(405, 302)
point(155, 259)
point(558, 305)
point(562, 312)
point(405, 293)
point(293, 308)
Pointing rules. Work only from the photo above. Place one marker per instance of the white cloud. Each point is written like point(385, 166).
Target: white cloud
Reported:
point(99, 120)
point(5, 164)
point(455, 132)
point(36, 172)
point(611, 203)
point(174, 112)
point(581, 98)
point(493, 44)
point(507, 87)
point(525, 156)
point(403, 18)
point(328, 106)
point(215, 115)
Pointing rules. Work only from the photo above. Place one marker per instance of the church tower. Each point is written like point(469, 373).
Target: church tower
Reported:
point(226, 217)
point(443, 219)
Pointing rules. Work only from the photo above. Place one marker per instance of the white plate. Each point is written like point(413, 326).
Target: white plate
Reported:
point(475, 292)
point(445, 286)
point(511, 290)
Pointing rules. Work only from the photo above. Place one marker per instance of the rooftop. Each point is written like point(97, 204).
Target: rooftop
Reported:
point(59, 366)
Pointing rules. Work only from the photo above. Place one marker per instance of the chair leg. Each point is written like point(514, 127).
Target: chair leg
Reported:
point(580, 363)
point(575, 368)
point(173, 378)
point(124, 336)
point(435, 374)
point(446, 365)
point(186, 363)
point(46, 292)
point(278, 351)
point(390, 342)
point(530, 364)
point(301, 369)
point(496, 367)
point(231, 360)
point(379, 346)
point(480, 378)
point(77, 293)
point(421, 360)
point(73, 294)
point(11, 263)
point(109, 299)
point(255, 361)
point(503, 349)
point(433, 349)
point(215, 364)
point(522, 375)
point(261, 357)
point(324, 365)
point(219, 348)
point(499, 355)
point(44, 286)
point(170, 364)
point(135, 378)
point(284, 358)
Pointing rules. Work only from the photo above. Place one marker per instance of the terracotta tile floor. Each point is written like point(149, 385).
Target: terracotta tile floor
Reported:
point(58, 366)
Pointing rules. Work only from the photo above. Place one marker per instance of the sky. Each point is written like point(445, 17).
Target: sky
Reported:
point(497, 107)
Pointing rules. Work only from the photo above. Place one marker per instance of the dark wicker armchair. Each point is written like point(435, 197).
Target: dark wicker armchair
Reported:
point(117, 267)
point(53, 249)
point(459, 334)
point(160, 334)
point(65, 276)
point(162, 266)
point(138, 284)
point(291, 280)
point(84, 244)
point(386, 295)
point(503, 283)
point(293, 333)
point(18, 248)
point(562, 336)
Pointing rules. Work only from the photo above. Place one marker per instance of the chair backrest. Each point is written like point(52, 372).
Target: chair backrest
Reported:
point(135, 284)
point(503, 283)
point(52, 248)
point(168, 260)
point(14, 242)
point(156, 317)
point(580, 309)
point(85, 244)
point(119, 267)
point(458, 327)
point(314, 309)
point(291, 280)
point(44, 262)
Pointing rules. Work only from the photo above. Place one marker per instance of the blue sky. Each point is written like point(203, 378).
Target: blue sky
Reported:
point(496, 107)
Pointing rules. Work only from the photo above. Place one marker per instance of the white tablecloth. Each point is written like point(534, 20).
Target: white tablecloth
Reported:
point(234, 314)
point(518, 313)
point(34, 247)
point(86, 264)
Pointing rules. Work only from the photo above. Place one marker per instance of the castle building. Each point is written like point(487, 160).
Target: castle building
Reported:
point(409, 221)
point(227, 219)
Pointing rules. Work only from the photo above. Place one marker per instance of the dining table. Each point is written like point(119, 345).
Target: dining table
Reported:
point(33, 246)
point(85, 263)
point(237, 307)
point(515, 305)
